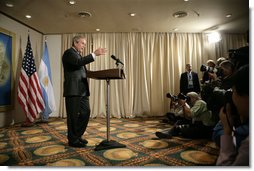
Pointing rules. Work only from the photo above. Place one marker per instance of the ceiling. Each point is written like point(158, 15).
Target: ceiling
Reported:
point(58, 16)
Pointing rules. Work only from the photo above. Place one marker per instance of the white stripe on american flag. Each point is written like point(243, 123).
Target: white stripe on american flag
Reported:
point(30, 98)
point(39, 92)
point(36, 95)
point(22, 101)
point(22, 89)
point(23, 95)
point(31, 107)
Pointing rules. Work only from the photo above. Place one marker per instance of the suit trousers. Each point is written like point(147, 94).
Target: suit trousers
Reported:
point(78, 114)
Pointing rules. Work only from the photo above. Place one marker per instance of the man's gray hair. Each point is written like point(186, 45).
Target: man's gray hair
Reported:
point(77, 38)
point(193, 95)
point(227, 64)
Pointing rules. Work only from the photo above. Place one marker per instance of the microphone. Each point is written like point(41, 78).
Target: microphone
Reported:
point(116, 59)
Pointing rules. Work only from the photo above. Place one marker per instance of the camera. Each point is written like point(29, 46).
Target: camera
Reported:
point(239, 57)
point(222, 98)
point(206, 73)
point(183, 97)
point(174, 98)
point(205, 68)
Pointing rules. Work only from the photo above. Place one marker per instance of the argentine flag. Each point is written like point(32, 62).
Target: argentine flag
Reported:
point(46, 85)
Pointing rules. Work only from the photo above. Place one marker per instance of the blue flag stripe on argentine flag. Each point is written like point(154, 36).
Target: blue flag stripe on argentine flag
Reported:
point(46, 85)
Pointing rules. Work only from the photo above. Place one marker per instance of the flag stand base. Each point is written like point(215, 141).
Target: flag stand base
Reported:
point(27, 124)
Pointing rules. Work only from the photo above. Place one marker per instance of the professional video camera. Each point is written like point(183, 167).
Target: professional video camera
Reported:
point(174, 98)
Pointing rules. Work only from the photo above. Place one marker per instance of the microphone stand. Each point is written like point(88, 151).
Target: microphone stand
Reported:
point(109, 144)
point(117, 64)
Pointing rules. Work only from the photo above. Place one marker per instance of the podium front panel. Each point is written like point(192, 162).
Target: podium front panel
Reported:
point(106, 74)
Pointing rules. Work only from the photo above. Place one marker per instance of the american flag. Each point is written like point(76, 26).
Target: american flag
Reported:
point(29, 89)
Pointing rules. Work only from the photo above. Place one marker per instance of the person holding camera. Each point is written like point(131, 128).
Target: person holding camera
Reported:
point(231, 154)
point(208, 70)
point(225, 71)
point(202, 118)
point(201, 124)
point(216, 99)
point(212, 93)
point(176, 112)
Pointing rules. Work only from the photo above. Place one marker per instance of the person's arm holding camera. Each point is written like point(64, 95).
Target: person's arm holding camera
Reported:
point(228, 151)
point(213, 76)
point(224, 116)
point(186, 108)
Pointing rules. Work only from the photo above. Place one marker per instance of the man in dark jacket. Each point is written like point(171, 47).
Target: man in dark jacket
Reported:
point(189, 81)
point(76, 89)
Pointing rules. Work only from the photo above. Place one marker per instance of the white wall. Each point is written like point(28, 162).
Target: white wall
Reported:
point(55, 57)
point(21, 32)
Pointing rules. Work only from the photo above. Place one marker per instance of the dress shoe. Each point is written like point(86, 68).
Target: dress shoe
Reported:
point(83, 141)
point(163, 135)
point(77, 143)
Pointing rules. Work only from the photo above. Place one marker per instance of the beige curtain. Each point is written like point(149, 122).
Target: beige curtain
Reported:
point(153, 63)
point(230, 41)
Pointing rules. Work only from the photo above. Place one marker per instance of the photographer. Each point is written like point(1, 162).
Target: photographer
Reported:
point(216, 97)
point(201, 119)
point(239, 57)
point(208, 71)
point(227, 69)
point(176, 111)
point(230, 154)
point(214, 100)
point(212, 93)
point(220, 60)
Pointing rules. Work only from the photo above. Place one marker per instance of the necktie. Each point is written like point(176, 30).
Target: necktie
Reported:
point(190, 82)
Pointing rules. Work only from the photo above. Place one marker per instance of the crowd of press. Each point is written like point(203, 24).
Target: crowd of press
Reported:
point(215, 107)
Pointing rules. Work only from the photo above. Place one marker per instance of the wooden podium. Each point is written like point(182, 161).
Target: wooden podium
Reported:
point(107, 75)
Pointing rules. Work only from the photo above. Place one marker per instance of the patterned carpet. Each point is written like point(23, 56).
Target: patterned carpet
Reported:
point(45, 144)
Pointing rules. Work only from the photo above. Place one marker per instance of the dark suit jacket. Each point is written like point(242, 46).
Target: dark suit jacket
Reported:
point(184, 82)
point(75, 80)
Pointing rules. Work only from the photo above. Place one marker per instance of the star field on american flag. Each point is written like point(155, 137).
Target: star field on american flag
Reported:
point(28, 62)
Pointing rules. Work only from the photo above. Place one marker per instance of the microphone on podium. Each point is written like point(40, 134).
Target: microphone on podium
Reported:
point(116, 59)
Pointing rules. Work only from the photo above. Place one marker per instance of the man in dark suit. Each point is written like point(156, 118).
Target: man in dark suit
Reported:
point(189, 81)
point(76, 89)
